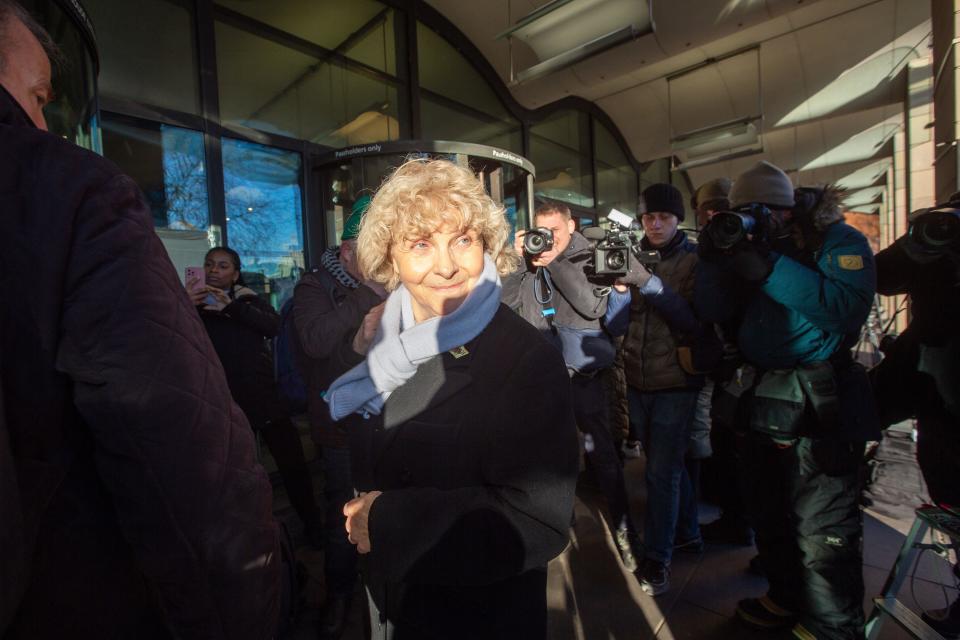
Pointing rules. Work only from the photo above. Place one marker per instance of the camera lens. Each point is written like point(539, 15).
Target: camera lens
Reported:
point(616, 260)
point(533, 243)
point(937, 230)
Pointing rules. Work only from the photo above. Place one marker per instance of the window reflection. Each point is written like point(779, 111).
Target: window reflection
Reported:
point(264, 208)
point(560, 149)
point(616, 179)
point(442, 122)
point(267, 86)
point(147, 52)
point(167, 163)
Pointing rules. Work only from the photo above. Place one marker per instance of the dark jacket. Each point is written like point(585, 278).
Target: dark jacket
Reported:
point(477, 461)
point(131, 502)
point(239, 335)
point(578, 304)
point(661, 320)
point(326, 326)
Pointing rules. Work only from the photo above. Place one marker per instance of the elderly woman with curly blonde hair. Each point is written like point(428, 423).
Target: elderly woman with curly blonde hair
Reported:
point(467, 462)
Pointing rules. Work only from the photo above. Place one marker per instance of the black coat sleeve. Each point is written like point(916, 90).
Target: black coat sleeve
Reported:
point(517, 519)
point(172, 448)
point(255, 313)
point(571, 281)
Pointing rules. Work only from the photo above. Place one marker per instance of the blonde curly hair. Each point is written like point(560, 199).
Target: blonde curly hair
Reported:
point(417, 199)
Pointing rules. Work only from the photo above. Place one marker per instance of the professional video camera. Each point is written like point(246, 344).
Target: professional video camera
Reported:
point(937, 230)
point(727, 228)
point(536, 241)
point(613, 247)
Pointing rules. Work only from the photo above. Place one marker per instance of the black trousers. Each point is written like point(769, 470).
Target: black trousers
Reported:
point(803, 501)
point(590, 408)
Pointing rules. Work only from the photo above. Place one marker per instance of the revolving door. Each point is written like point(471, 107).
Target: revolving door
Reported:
point(346, 173)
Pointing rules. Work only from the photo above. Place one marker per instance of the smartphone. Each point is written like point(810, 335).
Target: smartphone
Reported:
point(195, 273)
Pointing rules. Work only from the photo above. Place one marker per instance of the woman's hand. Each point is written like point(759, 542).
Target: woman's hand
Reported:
point(368, 329)
point(197, 291)
point(358, 514)
point(220, 298)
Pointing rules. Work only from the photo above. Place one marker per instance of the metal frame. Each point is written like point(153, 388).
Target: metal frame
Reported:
point(206, 13)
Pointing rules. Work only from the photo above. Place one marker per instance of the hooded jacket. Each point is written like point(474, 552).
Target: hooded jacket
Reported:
point(131, 501)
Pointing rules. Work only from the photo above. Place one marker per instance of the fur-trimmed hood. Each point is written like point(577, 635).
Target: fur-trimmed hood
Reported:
point(823, 206)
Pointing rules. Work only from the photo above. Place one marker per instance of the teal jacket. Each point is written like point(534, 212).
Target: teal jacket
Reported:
point(802, 313)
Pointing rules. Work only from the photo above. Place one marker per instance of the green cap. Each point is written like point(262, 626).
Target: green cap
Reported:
point(351, 226)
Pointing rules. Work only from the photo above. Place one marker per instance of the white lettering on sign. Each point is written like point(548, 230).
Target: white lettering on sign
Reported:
point(353, 151)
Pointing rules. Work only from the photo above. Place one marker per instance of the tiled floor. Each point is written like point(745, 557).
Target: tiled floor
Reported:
point(590, 597)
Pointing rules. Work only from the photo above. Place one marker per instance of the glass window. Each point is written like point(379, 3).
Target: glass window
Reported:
point(655, 171)
point(147, 52)
point(264, 85)
point(560, 150)
point(264, 215)
point(332, 25)
point(444, 70)
point(441, 122)
point(616, 179)
point(167, 163)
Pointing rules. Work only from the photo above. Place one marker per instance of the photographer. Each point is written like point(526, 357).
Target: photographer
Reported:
point(795, 290)
point(920, 375)
point(554, 294)
point(657, 317)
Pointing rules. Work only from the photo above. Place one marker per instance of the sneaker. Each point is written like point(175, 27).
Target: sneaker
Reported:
point(694, 545)
point(764, 613)
point(727, 531)
point(946, 622)
point(627, 545)
point(631, 448)
point(654, 577)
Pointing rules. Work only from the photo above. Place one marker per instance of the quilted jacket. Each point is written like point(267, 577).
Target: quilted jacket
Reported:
point(131, 503)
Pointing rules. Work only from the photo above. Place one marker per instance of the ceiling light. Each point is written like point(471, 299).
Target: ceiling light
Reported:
point(564, 32)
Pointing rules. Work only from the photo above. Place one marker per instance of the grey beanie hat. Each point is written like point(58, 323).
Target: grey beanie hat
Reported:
point(763, 183)
point(718, 189)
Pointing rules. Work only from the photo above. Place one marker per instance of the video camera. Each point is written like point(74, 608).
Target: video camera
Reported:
point(727, 228)
point(613, 247)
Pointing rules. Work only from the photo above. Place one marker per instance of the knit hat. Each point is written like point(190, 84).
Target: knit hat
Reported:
point(712, 191)
point(762, 184)
point(664, 197)
point(351, 226)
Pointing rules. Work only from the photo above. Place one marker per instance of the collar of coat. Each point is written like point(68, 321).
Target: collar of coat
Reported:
point(678, 240)
point(11, 113)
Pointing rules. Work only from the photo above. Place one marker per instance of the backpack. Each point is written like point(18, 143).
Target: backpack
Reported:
point(291, 387)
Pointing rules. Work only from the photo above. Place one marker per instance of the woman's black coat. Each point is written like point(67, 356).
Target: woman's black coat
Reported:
point(239, 335)
point(477, 461)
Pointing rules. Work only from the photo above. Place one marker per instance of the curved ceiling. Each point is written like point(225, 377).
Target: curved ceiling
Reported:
point(828, 77)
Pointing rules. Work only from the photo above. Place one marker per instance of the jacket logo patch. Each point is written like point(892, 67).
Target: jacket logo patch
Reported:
point(853, 263)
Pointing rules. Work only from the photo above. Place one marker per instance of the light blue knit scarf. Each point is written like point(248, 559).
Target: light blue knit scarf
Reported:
point(401, 345)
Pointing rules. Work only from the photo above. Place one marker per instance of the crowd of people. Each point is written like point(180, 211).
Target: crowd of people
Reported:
point(448, 371)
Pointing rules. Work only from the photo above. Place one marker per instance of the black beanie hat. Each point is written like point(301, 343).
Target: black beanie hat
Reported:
point(664, 197)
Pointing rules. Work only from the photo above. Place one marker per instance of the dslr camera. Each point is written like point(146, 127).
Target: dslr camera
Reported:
point(727, 228)
point(536, 241)
point(937, 230)
point(613, 247)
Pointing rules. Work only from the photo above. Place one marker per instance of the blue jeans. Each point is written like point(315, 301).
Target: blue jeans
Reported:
point(340, 556)
point(661, 420)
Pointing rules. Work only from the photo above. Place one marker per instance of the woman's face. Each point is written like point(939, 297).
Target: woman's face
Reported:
point(439, 270)
point(220, 270)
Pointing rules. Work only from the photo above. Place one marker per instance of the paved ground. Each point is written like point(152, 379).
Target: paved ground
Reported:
point(591, 597)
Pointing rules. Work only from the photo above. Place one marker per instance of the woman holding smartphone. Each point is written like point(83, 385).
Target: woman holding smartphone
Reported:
point(239, 324)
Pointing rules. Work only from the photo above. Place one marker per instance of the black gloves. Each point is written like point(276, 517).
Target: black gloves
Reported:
point(636, 276)
point(751, 261)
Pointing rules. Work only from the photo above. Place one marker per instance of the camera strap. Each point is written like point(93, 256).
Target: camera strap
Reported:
point(543, 292)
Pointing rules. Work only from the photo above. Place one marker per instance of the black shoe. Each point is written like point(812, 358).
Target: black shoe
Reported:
point(946, 622)
point(628, 544)
point(727, 531)
point(764, 613)
point(654, 577)
point(694, 545)
point(333, 619)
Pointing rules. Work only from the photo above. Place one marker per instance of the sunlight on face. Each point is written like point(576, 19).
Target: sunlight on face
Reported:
point(439, 270)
